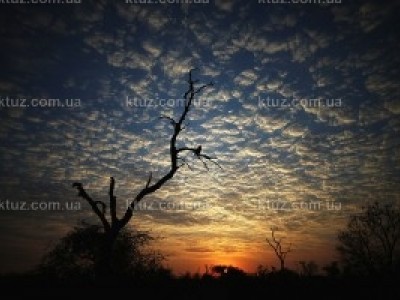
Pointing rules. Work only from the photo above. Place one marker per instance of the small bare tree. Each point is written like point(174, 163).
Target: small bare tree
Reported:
point(113, 225)
point(276, 244)
point(370, 244)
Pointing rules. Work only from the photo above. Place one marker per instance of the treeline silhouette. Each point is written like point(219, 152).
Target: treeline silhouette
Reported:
point(72, 264)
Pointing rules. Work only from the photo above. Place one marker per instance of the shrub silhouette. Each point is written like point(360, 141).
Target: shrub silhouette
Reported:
point(77, 255)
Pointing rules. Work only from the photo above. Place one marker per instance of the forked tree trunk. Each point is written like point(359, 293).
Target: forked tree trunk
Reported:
point(282, 261)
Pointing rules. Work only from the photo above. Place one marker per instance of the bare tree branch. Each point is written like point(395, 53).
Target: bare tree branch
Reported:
point(102, 205)
point(199, 155)
point(149, 180)
point(113, 203)
point(173, 151)
point(184, 162)
point(171, 120)
point(93, 204)
point(276, 245)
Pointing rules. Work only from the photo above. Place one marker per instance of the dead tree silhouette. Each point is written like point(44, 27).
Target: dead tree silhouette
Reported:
point(276, 244)
point(113, 225)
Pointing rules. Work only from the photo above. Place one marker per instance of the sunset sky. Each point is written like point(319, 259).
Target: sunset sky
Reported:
point(278, 146)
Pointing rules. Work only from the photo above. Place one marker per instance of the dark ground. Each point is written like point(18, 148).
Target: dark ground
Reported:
point(249, 287)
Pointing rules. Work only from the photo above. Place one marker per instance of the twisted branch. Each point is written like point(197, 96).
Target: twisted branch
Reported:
point(150, 187)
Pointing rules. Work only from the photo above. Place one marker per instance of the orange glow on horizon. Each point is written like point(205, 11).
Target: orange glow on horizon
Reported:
point(247, 262)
